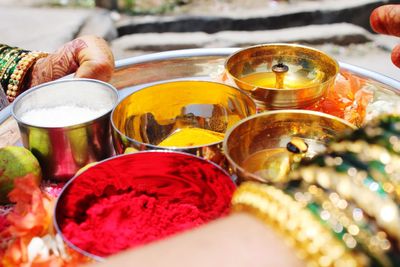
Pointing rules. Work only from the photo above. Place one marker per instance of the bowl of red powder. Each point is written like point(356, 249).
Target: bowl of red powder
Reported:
point(133, 199)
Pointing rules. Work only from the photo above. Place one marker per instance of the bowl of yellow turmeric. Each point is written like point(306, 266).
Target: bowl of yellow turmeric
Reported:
point(189, 116)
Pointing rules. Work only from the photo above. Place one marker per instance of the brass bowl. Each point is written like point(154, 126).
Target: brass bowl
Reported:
point(147, 117)
point(282, 76)
point(256, 147)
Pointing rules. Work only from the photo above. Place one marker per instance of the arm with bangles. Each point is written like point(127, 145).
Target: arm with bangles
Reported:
point(248, 237)
point(87, 56)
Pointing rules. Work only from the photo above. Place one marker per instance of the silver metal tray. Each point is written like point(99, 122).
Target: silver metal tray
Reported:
point(202, 64)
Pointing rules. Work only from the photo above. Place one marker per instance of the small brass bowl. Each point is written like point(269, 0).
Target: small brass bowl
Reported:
point(257, 148)
point(282, 76)
point(147, 117)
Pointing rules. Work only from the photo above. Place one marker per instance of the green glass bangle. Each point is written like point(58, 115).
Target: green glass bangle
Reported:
point(4, 50)
point(10, 67)
point(364, 169)
point(380, 165)
point(346, 221)
point(384, 131)
point(6, 60)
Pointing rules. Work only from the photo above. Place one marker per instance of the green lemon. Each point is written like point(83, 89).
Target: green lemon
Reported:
point(16, 161)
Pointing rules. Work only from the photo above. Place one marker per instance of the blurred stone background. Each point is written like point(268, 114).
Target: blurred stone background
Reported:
point(135, 27)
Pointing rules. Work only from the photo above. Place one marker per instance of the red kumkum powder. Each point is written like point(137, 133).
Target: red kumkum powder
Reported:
point(138, 198)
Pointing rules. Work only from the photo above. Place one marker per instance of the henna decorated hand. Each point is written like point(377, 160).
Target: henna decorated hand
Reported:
point(87, 56)
point(386, 20)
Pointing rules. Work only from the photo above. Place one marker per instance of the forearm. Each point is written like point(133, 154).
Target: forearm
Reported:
point(87, 56)
point(238, 240)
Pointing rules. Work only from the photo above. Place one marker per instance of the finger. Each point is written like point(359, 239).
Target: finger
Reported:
point(95, 59)
point(386, 20)
point(396, 56)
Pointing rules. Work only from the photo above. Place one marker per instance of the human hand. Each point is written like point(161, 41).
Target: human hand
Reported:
point(87, 56)
point(386, 20)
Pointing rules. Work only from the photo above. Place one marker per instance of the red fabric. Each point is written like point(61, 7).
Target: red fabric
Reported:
point(138, 198)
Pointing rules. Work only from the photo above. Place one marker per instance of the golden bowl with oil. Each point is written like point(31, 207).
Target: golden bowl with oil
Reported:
point(282, 76)
point(265, 147)
point(189, 116)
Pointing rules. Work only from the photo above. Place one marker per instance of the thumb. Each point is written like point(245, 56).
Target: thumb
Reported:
point(95, 60)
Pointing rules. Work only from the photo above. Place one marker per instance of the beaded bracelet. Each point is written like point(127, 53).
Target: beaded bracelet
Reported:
point(15, 63)
point(313, 242)
point(16, 79)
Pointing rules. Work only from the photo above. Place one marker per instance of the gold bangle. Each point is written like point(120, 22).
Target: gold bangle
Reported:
point(312, 241)
point(17, 77)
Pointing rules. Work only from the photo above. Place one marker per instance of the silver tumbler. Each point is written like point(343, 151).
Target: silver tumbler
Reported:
point(63, 149)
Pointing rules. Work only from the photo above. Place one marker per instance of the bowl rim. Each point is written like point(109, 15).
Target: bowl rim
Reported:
point(334, 61)
point(176, 148)
point(236, 166)
point(19, 98)
point(76, 176)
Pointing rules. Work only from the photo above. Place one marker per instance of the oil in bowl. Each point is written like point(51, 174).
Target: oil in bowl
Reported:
point(265, 147)
point(281, 80)
point(282, 76)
